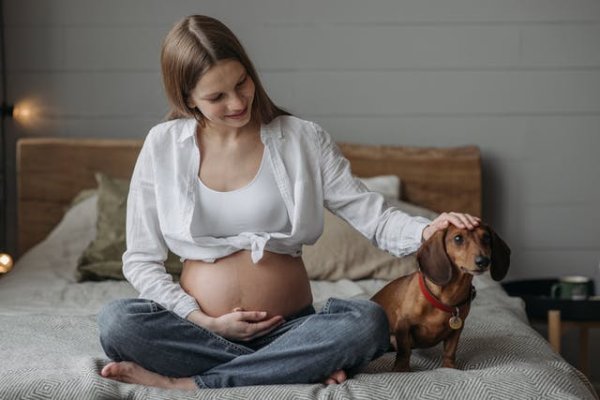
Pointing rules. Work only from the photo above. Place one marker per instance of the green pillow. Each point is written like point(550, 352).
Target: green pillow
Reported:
point(102, 258)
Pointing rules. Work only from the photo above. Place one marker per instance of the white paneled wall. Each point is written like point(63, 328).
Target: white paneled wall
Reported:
point(519, 78)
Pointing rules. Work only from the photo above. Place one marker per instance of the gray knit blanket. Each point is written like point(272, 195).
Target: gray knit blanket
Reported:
point(56, 355)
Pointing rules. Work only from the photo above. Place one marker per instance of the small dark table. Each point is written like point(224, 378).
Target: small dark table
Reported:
point(560, 314)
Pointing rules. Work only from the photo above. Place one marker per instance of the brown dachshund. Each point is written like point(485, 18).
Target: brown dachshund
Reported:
point(430, 305)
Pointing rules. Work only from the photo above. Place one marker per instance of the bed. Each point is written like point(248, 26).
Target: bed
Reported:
point(48, 302)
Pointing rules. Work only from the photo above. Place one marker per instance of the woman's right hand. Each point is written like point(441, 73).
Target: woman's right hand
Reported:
point(239, 325)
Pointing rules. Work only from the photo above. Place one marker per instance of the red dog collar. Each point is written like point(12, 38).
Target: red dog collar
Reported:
point(438, 304)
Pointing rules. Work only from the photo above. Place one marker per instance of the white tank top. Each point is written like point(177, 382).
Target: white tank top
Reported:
point(256, 207)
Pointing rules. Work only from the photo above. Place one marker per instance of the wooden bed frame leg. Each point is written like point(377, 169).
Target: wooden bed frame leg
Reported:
point(554, 331)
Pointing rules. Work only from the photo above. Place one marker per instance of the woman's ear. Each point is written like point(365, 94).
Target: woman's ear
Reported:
point(190, 103)
point(433, 260)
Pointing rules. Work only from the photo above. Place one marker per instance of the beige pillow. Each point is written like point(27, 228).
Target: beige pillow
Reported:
point(342, 252)
point(102, 258)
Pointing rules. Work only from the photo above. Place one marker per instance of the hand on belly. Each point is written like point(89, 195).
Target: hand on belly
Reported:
point(244, 325)
point(277, 284)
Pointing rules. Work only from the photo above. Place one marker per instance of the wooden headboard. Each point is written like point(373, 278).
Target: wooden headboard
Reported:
point(50, 172)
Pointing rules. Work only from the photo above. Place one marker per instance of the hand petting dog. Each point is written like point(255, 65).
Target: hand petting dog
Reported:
point(443, 221)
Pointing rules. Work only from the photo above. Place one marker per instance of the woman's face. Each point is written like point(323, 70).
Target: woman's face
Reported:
point(224, 95)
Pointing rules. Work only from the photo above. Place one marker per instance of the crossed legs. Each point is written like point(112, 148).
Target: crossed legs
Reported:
point(154, 346)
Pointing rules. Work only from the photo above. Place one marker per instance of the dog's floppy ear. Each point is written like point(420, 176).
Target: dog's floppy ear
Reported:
point(434, 261)
point(500, 257)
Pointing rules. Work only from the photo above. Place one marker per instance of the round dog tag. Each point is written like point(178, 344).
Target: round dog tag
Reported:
point(455, 322)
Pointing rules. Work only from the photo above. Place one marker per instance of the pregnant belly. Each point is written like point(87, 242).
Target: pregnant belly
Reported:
point(277, 284)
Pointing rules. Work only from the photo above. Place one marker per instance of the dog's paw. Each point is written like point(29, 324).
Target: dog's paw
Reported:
point(401, 368)
point(449, 364)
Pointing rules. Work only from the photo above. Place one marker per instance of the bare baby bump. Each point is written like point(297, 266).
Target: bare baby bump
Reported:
point(278, 284)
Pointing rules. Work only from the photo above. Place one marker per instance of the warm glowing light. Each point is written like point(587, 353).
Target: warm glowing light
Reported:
point(28, 113)
point(23, 112)
point(6, 263)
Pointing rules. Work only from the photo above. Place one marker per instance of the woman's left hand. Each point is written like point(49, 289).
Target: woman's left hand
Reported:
point(460, 220)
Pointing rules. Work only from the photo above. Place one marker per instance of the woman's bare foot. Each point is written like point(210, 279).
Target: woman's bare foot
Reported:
point(130, 372)
point(338, 376)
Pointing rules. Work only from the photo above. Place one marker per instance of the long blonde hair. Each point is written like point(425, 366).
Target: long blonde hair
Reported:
point(190, 49)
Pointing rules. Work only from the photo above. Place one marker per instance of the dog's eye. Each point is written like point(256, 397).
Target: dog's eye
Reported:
point(458, 239)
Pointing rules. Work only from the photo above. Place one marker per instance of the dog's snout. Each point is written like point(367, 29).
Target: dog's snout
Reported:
point(482, 261)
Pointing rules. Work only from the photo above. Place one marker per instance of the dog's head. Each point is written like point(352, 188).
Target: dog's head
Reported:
point(464, 251)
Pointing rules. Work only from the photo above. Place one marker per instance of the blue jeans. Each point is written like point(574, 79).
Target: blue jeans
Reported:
point(307, 348)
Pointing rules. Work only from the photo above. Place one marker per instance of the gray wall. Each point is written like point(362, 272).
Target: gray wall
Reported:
point(519, 78)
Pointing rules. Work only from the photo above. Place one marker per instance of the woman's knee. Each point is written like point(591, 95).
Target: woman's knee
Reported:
point(117, 319)
point(369, 323)
point(112, 315)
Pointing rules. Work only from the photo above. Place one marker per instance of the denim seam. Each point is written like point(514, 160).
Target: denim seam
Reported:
point(325, 309)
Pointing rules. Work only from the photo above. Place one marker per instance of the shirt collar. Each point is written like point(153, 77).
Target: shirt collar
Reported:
point(189, 130)
point(272, 130)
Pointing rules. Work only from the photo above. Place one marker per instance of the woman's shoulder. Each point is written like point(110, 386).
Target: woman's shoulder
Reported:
point(291, 121)
point(292, 126)
point(172, 131)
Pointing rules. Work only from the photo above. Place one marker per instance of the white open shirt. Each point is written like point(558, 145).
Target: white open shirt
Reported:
point(310, 172)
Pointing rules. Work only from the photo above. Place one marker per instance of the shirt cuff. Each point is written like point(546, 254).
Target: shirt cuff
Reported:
point(186, 306)
point(415, 231)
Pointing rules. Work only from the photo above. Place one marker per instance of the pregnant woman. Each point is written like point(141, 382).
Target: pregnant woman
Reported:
point(234, 185)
